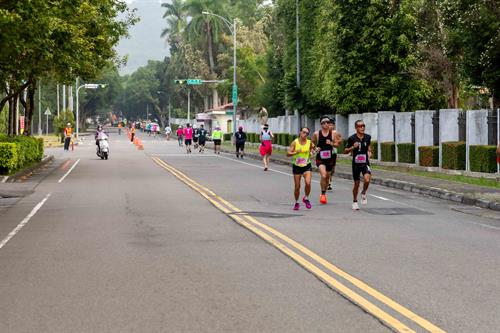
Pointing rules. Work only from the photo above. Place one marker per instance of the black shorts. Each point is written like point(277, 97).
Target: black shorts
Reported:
point(298, 170)
point(358, 169)
point(240, 146)
point(188, 142)
point(202, 141)
point(195, 139)
point(329, 163)
point(217, 142)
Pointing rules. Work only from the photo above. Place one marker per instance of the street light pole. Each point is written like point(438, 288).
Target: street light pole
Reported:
point(297, 44)
point(189, 106)
point(232, 28)
point(86, 86)
point(40, 107)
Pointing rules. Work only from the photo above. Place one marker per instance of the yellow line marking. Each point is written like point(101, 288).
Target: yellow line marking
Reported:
point(335, 284)
point(355, 281)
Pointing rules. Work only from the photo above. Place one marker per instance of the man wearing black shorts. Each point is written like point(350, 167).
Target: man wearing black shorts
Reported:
point(358, 145)
point(202, 138)
point(240, 138)
point(325, 143)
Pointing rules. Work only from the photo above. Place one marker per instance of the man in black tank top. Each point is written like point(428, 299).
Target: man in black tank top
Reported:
point(325, 143)
point(358, 145)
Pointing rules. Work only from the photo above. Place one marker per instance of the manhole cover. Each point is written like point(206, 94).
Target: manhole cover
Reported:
point(396, 211)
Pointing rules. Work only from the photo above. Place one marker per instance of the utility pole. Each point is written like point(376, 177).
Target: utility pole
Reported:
point(64, 98)
point(297, 42)
point(40, 107)
point(58, 101)
point(189, 106)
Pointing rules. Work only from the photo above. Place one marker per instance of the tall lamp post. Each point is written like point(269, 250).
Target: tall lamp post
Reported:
point(232, 28)
point(86, 86)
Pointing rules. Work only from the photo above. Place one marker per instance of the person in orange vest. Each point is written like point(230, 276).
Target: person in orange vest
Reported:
point(68, 132)
point(119, 128)
point(133, 134)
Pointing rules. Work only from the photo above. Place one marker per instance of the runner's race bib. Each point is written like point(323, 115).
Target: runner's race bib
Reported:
point(325, 154)
point(360, 159)
point(301, 161)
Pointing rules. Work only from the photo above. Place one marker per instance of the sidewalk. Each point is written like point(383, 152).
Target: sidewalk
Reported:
point(484, 197)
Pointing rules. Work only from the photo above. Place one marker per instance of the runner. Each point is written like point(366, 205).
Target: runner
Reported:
point(325, 143)
point(301, 149)
point(240, 138)
point(338, 140)
point(188, 137)
point(202, 138)
point(180, 135)
point(195, 136)
point(120, 128)
point(217, 137)
point(266, 145)
point(68, 133)
point(358, 145)
point(132, 132)
point(168, 132)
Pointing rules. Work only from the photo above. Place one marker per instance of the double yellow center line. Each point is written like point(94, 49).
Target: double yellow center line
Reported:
point(299, 254)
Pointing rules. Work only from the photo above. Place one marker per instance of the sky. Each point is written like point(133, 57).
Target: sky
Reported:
point(145, 42)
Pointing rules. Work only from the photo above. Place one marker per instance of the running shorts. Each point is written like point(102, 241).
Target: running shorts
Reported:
point(240, 146)
point(217, 142)
point(298, 170)
point(329, 163)
point(357, 170)
point(266, 148)
point(201, 141)
point(188, 142)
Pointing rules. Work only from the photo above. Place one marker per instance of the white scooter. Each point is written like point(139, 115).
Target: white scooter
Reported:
point(103, 147)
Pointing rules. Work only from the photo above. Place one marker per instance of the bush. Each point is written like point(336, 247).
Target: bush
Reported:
point(483, 159)
point(374, 145)
point(227, 136)
point(388, 150)
point(406, 152)
point(275, 138)
point(453, 155)
point(428, 156)
point(8, 157)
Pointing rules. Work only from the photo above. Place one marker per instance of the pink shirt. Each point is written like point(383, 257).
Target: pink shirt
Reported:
point(188, 133)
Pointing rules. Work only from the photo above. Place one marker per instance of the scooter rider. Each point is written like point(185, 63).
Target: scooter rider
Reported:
point(98, 135)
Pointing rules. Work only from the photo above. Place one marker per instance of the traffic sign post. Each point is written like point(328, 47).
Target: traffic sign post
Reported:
point(194, 81)
point(235, 95)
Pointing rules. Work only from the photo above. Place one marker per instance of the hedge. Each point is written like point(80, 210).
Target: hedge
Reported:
point(227, 136)
point(8, 157)
point(388, 150)
point(28, 150)
point(374, 145)
point(453, 155)
point(406, 152)
point(483, 159)
point(428, 156)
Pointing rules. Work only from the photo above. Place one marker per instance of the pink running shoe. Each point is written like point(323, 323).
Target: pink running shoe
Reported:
point(307, 202)
point(297, 206)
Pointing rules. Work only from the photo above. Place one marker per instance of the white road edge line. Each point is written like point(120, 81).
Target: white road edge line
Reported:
point(24, 221)
point(69, 171)
point(4, 179)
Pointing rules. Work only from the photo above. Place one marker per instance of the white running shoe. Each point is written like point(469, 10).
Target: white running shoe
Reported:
point(364, 200)
point(355, 206)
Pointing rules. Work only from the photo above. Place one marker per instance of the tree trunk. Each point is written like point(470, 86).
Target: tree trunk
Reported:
point(28, 126)
point(210, 48)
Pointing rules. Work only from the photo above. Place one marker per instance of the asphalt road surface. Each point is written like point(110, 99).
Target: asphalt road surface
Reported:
point(161, 241)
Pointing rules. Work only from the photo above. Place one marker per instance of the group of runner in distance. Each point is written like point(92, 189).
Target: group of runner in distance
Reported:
point(323, 146)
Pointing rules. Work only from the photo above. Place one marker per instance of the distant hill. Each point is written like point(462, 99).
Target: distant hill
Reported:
point(145, 42)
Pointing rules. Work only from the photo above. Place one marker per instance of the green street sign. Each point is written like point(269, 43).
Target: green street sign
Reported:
point(194, 81)
point(229, 113)
point(235, 94)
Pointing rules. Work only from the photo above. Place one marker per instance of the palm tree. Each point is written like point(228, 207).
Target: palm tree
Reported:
point(204, 27)
point(176, 20)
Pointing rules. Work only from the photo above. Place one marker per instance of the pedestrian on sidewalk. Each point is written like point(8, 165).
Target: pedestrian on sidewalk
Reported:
point(217, 137)
point(202, 138)
point(337, 137)
point(300, 150)
point(68, 133)
point(240, 138)
point(358, 145)
point(266, 145)
point(188, 137)
point(180, 135)
point(324, 141)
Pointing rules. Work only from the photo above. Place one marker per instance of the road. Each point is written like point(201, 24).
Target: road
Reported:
point(161, 241)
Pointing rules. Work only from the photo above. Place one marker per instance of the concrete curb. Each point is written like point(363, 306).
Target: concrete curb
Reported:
point(405, 186)
point(25, 172)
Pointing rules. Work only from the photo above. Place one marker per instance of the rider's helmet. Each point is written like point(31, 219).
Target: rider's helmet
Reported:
point(99, 128)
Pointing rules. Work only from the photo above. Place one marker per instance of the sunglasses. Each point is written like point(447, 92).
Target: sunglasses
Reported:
point(360, 126)
point(325, 122)
point(305, 132)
